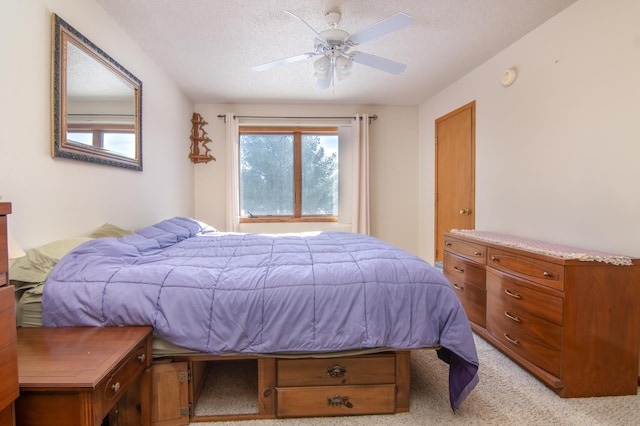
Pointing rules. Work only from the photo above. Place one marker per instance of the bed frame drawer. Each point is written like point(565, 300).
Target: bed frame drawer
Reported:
point(364, 370)
point(335, 401)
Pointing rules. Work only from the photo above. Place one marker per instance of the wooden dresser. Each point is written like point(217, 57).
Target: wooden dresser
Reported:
point(574, 324)
point(8, 350)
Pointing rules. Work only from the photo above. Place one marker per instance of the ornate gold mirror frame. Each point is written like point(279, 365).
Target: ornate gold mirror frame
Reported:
point(96, 103)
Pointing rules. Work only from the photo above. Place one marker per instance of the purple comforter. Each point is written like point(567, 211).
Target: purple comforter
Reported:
point(250, 293)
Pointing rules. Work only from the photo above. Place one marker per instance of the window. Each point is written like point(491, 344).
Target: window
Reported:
point(288, 174)
point(117, 139)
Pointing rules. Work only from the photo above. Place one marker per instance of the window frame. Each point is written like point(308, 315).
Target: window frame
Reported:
point(297, 132)
point(98, 131)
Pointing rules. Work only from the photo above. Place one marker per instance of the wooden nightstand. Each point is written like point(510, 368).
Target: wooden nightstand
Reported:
point(75, 376)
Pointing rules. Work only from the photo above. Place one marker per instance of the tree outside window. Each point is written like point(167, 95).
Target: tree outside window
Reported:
point(288, 174)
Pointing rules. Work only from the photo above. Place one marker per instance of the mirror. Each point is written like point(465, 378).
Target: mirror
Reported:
point(96, 103)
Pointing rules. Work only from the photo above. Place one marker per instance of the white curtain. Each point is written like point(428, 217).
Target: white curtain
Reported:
point(360, 203)
point(233, 163)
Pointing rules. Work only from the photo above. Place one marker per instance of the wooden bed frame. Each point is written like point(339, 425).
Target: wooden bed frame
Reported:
point(376, 383)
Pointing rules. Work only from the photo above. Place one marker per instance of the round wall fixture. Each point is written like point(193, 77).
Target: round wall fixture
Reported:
point(508, 77)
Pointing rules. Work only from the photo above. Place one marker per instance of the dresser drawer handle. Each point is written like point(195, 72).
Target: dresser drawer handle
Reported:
point(338, 401)
point(115, 387)
point(447, 244)
point(455, 268)
point(546, 274)
point(477, 253)
point(495, 259)
point(514, 341)
point(457, 287)
point(510, 294)
point(142, 358)
point(512, 317)
point(337, 371)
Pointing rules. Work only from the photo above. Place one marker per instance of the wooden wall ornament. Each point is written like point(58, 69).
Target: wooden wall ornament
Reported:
point(200, 152)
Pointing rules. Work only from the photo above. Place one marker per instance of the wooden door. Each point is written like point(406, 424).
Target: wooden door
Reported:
point(455, 173)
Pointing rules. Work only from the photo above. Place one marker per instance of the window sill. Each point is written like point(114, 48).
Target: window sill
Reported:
point(287, 219)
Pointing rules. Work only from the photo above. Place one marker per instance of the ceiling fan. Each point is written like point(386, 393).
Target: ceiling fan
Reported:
point(334, 47)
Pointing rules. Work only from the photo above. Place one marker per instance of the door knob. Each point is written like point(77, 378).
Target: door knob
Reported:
point(465, 211)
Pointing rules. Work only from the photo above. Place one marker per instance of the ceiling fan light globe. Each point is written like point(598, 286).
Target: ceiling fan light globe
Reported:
point(322, 65)
point(344, 64)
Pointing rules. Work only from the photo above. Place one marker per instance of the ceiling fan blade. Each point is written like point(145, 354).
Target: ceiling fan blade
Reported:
point(377, 62)
point(388, 25)
point(318, 36)
point(283, 61)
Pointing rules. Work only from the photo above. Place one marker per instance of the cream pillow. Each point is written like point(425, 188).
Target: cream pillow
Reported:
point(37, 264)
point(109, 230)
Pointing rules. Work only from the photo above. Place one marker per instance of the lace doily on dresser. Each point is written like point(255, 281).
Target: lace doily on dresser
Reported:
point(542, 247)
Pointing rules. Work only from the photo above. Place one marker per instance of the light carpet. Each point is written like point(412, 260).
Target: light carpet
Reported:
point(506, 395)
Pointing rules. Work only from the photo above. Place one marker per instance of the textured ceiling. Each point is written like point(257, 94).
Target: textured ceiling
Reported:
point(209, 46)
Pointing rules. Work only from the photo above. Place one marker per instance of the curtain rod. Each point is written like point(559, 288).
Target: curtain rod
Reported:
point(371, 118)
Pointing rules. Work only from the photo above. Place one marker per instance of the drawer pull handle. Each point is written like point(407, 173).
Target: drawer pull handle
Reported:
point(510, 294)
point(337, 371)
point(512, 317)
point(338, 401)
point(495, 259)
point(115, 387)
point(447, 244)
point(546, 274)
point(514, 341)
point(477, 253)
point(457, 287)
point(142, 358)
point(455, 268)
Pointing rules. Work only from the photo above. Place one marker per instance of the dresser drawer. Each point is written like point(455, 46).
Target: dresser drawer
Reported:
point(4, 255)
point(7, 317)
point(504, 287)
point(8, 348)
point(335, 400)
point(473, 299)
point(123, 376)
point(502, 315)
point(464, 270)
point(529, 348)
point(369, 369)
point(468, 250)
point(545, 273)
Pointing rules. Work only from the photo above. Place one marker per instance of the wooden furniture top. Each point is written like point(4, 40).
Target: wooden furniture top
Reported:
point(77, 356)
point(5, 208)
point(550, 252)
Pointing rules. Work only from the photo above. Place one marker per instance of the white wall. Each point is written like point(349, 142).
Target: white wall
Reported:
point(558, 152)
point(394, 168)
point(60, 198)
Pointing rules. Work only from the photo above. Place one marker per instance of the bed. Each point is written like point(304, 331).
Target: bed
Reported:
point(210, 294)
